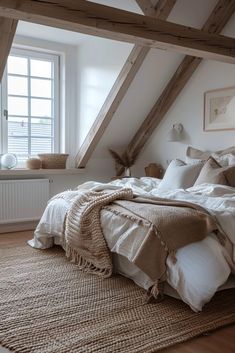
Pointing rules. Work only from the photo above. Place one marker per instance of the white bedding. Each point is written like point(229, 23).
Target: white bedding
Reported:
point(201, 268)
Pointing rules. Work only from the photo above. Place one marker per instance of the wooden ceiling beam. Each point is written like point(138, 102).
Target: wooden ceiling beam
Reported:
point(214, 24)
point(91, 18)
point(7, 30)
point(119, 89)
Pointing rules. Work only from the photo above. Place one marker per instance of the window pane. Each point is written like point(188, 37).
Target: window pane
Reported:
point(40, 127)
point(41, 107)
point(17, 65)
point(17, 85)
point(18, 145)
point(40, 145)
point(17, 127)
point(31, 103)
point(40, 88)
point(41, 68)
point(17, 106)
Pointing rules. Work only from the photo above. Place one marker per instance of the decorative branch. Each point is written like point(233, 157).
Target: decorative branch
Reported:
point(126, 160)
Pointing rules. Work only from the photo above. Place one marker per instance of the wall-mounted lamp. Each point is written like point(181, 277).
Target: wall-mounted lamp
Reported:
point(175, 133)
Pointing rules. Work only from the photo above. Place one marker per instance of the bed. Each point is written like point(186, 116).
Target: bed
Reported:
point(201, 268)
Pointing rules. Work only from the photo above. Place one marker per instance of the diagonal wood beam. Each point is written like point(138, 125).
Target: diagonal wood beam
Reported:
point(147, 7)
point(7, 30)
point(91, 18)
point(161, 10)
point(118, 91)
point(214, 24)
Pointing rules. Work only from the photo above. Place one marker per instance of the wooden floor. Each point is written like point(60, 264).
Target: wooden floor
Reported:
point(220, 341)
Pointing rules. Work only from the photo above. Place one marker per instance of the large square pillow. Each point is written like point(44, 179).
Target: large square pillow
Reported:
point(180, 175)
point(213, 173)
point(194, 153)
point(224, 157)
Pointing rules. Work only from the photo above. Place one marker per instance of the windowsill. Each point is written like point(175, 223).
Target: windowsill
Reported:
point(24, 171)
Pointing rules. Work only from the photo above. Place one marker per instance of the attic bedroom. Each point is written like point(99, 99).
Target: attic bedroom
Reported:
point(117, 176)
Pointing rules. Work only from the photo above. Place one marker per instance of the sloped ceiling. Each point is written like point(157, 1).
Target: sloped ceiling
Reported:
point(66, 37)
point(154, 74)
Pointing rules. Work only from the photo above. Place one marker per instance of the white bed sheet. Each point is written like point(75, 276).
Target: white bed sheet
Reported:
point(201, 268)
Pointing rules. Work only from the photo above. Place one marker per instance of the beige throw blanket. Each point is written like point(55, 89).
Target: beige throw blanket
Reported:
point(85, 243)
point(171, 225)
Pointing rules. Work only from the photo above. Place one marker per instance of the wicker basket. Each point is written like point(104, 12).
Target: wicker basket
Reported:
point(53, 160)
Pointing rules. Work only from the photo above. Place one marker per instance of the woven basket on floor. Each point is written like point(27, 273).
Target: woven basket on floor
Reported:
point(53, 160)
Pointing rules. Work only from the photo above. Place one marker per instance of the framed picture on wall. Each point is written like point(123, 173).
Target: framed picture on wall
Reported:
point(219, 109)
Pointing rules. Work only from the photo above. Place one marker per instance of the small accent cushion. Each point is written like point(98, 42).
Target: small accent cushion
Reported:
point(180, 175)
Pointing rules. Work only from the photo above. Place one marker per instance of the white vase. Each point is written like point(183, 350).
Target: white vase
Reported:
point(127, 172)
point(8, 160)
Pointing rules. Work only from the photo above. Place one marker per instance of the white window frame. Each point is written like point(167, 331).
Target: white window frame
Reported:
point(37, 54)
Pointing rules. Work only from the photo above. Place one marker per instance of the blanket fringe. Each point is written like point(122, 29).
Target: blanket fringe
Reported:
point(86, 266)
point(155, 293)
point(173, 257)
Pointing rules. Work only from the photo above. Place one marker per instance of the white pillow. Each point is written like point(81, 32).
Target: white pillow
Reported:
point(190, 160)
point(180, 175)
point(231, 160)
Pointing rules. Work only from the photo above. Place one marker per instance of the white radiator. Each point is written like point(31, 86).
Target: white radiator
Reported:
point(23, 200)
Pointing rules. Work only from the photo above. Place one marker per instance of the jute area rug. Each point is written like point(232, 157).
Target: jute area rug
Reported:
point(47, 305)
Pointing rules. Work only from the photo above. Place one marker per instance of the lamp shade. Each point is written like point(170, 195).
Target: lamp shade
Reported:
point(175, 133)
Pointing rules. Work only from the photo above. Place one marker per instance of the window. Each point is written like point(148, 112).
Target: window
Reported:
point(30, 101)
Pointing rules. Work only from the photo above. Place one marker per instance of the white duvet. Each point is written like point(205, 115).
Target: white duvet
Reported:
point(201, 268)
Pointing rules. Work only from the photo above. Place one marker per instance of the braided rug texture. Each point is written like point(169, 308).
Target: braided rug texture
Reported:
point(48, 306)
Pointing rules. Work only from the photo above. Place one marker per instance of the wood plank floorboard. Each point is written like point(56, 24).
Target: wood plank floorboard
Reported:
point(219, 341)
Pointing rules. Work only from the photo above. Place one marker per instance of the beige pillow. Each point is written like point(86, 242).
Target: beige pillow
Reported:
point(226, 151)
point(230, 175)
point(212, 173)
point(193, 153)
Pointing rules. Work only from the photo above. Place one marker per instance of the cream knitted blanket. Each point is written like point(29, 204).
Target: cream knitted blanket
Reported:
point(85, 243)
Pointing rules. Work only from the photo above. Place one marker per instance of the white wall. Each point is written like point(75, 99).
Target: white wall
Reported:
point(99, 63)
point(100, 169)
point(189, 110)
